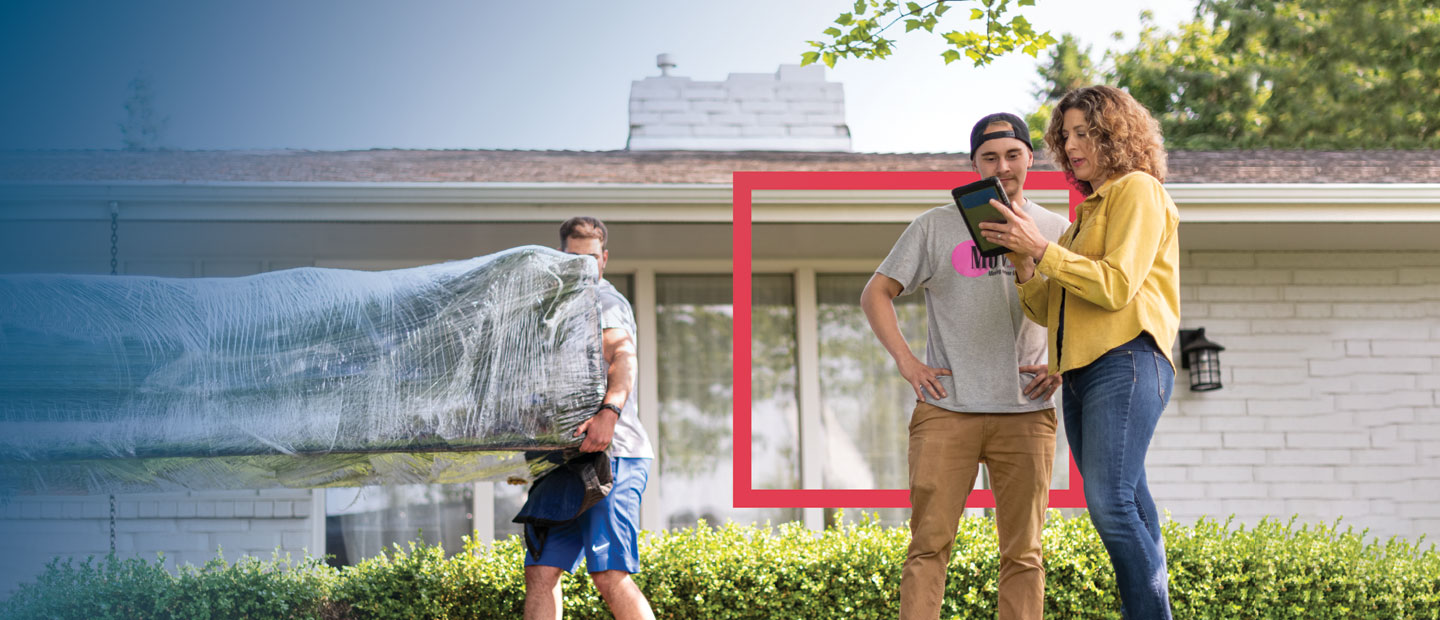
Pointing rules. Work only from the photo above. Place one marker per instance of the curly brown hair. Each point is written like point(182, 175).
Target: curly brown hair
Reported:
point(1127, 138)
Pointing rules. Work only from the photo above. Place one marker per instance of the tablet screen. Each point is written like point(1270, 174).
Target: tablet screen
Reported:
point(978, 209)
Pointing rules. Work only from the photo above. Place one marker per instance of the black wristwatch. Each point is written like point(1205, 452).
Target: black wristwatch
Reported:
point(610, 407)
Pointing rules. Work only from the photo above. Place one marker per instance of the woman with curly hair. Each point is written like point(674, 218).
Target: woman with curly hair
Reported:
point(1109, 292)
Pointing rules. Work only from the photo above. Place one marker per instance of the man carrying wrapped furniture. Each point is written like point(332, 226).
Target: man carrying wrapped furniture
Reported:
point(607, 534)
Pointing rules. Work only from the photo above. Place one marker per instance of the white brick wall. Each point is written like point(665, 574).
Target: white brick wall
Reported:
point(186, 527)
point(1331, 404)
point(793, 109)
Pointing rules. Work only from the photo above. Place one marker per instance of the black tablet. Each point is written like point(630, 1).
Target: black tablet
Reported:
point(974, 203)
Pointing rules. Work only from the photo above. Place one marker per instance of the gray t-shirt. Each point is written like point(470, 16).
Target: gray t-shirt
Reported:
point(976, 326)
point(630, 440)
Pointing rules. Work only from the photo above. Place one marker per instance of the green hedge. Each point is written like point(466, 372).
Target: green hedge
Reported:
point(112, 589)
point(1217, 570)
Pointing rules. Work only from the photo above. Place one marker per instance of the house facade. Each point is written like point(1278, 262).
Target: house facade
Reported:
point(1319, 272)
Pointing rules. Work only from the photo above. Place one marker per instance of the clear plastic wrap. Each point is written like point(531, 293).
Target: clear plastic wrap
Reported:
point(298, 378)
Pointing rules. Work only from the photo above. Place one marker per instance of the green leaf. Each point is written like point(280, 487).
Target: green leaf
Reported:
point(913, 7)
point(844, 19)
point(911, 24)
point(829, 58)
point(941, 8)
point(950, 56)
point(859, 7)
point(977, 14)
point(833, 31)
point(809, 58)
point(962, 39)
point(1025, 3)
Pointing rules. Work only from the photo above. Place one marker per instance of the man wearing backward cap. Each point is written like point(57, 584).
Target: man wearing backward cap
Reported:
point(983, 395)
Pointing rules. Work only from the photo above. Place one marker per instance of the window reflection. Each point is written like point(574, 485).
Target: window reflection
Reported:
point(694, 324)
point(865, 403)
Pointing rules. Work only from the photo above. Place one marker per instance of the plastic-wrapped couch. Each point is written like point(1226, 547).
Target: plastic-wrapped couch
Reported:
point(297, 378)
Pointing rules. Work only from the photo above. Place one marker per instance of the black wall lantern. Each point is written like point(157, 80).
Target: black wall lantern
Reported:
point(1202, 358)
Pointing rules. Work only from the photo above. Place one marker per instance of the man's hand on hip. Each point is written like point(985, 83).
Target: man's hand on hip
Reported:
point(1043, 385)
point(924, 378)
point(599, 430)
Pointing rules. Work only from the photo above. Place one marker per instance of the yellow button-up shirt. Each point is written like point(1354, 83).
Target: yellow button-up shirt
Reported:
point(1116, 270)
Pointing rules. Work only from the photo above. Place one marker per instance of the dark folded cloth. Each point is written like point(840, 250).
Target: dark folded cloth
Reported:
point(580, 481)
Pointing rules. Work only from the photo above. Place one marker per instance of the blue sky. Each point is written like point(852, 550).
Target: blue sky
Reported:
point(449, 74)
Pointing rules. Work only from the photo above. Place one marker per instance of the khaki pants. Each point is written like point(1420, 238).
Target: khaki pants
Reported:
point(946, 449)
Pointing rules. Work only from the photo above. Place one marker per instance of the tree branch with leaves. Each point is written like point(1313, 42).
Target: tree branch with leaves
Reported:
point(859, 33)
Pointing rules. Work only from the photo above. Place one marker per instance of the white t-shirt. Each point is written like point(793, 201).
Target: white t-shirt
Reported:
point(630, 440)
point(977, 328)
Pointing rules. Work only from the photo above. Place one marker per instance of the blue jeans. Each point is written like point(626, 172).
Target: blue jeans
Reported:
point(1111, 408)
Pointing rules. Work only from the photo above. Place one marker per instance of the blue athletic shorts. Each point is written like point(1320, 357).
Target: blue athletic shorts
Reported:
point(607, 535)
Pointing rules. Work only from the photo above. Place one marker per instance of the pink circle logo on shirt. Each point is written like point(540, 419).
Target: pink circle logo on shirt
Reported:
point(963, 259)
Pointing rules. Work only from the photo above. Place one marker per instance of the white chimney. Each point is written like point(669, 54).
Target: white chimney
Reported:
point(793, 109)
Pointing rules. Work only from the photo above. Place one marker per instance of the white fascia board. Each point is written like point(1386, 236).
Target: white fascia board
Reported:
point(1307, 202)
point(383, 193)
point(364, 202)
point(698, 203)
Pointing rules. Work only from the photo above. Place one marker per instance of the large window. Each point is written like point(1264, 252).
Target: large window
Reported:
point(694, 324)
point(865, 404)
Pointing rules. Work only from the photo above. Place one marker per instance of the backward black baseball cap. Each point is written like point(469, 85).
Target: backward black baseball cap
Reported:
point(1018, 130)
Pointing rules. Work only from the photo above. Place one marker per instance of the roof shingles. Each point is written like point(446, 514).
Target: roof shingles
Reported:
point(654, 167)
